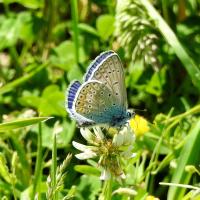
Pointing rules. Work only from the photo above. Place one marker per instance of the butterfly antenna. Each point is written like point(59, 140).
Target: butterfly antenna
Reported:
point(141, 110)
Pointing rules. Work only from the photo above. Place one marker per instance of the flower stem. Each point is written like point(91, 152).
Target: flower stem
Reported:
point(107, 190)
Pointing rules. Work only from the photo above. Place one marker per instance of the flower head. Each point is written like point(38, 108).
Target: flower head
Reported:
point(139, 125)
point(110, 146)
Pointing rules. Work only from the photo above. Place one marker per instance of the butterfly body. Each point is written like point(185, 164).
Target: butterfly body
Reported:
point(101, 99)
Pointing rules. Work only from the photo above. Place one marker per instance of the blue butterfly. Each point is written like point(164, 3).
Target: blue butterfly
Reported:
point(102, 98)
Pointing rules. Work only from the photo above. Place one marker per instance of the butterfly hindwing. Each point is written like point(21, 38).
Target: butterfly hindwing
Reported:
point(70, 98)
point(73, 88)
point(96, 102)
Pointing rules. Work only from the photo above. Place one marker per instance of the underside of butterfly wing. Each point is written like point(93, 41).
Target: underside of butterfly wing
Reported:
point(110, 72)
point(96, 102)
point(70, 98)
point(95, 64)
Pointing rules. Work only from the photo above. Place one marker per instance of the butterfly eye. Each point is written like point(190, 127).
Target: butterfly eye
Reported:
point(129, 114)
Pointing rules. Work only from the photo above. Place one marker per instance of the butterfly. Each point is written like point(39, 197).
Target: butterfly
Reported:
point(102, 98)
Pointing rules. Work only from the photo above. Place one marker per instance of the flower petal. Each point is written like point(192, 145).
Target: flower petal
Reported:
point(98, 132)
point(118, 139)
point(86, 155)
point(79, 146)
point(88, 135)
point(105, 175)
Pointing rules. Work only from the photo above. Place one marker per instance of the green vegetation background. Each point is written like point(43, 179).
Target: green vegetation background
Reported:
point(46, 44)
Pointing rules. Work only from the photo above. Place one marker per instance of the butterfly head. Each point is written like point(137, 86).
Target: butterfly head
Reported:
point(130, 114)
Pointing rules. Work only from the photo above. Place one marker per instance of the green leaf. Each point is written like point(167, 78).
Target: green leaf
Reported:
point(30, 26)
point(87, 169)
point(188, 156)
point(89, 187)
point(29, 100)
point(52, 102)
point(155, 85)
point(25, 195)
point(9, 32)
point(136, 70)
point(34, 4)
point(12, 85)
point(88, 29)
point(21, 123)
point(105, 26)
point(63, 138)
point(24, 26)
point(63, 55)
point(75, 73)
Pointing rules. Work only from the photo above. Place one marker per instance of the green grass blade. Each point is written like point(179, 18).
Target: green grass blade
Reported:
point(10, 86)
point(170, 37)
point(53, 167)
point(74, 11)
point(188, 156)
point(38, 166)
point(21, 123)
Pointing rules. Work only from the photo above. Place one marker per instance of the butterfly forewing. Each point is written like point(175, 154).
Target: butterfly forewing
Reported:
point(110, 72)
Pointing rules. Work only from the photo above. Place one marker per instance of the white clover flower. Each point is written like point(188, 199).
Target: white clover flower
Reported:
point(110, 145)
point(88, 151)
